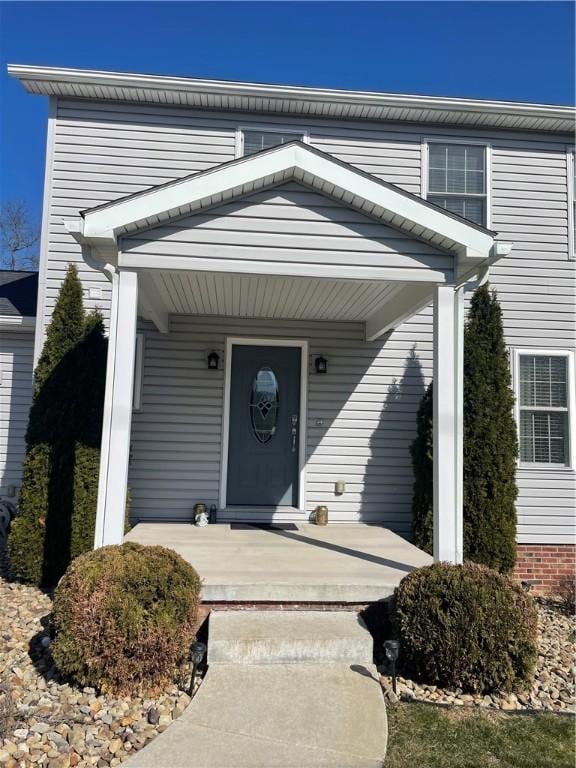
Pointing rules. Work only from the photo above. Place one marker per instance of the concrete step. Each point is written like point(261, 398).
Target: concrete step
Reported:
point(288, 637)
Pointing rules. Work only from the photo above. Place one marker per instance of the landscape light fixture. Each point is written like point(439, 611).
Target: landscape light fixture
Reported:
point(197, 653)
point(213, 360)
point(392, 648)
point(321, 364)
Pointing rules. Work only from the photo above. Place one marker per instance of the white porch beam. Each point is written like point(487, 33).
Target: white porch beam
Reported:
point(448, 423)
point(151, 305)
point(115, 449)
point(260, 267)
point(402, 304)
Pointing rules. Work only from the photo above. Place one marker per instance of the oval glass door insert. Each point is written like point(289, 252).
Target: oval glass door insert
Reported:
point(264, 405)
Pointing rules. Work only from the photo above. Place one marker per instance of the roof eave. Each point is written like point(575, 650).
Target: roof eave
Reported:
point(58, 81)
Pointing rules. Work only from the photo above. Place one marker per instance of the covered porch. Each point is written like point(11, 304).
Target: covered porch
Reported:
point(375, 259)
point(292, 563)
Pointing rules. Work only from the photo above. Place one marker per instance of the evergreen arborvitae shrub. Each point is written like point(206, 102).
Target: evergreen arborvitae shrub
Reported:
point(124, 617)
point(490, 439)
point(465, 626)
point(60, 476)
point(490, 445)
point(47, 427)
point(90, 368)
point(422, 463)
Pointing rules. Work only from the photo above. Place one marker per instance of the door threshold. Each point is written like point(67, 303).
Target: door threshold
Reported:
point(261, 515)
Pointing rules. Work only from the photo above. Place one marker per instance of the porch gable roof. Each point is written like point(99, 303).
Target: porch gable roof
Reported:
point(103, 225)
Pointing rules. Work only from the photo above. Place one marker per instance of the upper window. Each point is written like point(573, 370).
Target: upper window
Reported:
point(544, 411)
point(457, 179)
point(256, 141)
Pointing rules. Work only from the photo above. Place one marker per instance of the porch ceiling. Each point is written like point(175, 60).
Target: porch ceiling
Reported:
point(225, 294)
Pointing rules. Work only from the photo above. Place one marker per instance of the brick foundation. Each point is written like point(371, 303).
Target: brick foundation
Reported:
point(545, 565)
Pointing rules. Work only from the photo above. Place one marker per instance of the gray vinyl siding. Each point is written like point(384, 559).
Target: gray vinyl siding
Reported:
point(103, 151)
point(366, 401)
point(293, 225)
point(16, 353)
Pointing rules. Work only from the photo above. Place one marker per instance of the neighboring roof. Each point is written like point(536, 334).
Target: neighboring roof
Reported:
point(18, 293)
point(322, 102)
point(103, 225)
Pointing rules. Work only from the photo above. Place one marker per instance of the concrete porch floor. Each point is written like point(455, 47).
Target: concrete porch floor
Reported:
point(343, 563)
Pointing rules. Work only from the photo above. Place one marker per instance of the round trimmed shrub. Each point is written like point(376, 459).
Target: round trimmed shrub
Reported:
point(124, 617)
point(465, 626)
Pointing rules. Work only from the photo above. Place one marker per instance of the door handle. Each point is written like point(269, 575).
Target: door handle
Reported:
point(294, 431)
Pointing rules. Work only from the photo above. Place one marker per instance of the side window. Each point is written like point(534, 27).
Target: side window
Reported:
point(544, 420)
point(256, 141)
point(457, 179)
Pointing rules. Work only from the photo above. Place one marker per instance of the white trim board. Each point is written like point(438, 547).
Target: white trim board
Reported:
point(281, 512)
point(45, 234)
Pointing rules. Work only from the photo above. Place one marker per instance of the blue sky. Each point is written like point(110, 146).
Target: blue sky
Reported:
point(509, 50)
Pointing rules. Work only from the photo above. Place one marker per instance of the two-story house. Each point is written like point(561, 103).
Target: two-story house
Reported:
point(283, 270)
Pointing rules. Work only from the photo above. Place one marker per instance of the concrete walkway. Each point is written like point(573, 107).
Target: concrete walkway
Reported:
point(277, 716)
point(283, 690)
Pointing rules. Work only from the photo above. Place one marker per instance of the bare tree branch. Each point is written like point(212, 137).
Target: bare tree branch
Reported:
point(18, 235)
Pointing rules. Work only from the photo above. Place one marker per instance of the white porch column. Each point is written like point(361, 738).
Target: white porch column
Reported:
point(115, 450)
point(448, 422)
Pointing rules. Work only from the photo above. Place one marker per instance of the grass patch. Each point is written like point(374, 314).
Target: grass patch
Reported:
point(436, 737)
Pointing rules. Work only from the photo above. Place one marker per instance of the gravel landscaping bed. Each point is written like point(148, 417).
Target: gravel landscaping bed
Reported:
point(45, 721)
point(554, 684)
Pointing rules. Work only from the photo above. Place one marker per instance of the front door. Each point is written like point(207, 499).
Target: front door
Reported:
point(264, 426)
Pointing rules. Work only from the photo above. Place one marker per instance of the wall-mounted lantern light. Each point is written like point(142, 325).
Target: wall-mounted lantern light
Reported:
point(213, 360)
point(321, 364)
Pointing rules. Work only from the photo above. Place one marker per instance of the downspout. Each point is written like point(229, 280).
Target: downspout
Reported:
point(108, 269)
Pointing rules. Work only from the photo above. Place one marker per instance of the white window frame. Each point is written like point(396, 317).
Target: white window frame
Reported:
point(138, 373)
point(425, 162)
point(570, 167)
point(266, 128)
point(571, 402)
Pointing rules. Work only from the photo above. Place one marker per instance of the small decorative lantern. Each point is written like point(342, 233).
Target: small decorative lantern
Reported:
point(200, 515)
point(197, 653)
point(213, 361)
point(392, 648)
point(321, 364)
point(321, 515)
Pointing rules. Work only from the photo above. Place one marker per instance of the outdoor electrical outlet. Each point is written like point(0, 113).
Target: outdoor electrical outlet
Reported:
point(340, 487)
